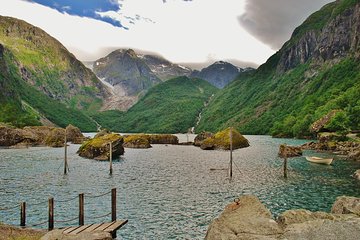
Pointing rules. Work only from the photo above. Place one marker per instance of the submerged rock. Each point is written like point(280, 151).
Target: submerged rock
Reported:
point(137, 141)
point(99, 148)
point(248, 218)
point(221, 140)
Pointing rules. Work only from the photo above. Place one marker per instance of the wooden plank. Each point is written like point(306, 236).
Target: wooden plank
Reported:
point(104, 226)
point(115, 226)
point(66, 228)
point(80, 229)
point(92, 227)
point(69, 230)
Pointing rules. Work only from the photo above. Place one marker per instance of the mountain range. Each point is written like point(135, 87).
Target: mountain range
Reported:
point(315, 72)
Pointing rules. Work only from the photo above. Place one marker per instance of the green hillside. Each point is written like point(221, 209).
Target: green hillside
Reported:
point(40, 79)
point(298, 84)
point(169, 107)
point(23, 105)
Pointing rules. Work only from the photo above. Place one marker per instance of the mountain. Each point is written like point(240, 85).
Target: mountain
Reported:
point(42, 81)
point(131, 74)
point(219, 73)
point(316, 71)
point(169, 107)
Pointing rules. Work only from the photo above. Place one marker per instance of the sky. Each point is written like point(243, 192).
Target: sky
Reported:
point(195, 33)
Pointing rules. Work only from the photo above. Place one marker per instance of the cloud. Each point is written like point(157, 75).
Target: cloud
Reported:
point(200, 31)
point(272, 22)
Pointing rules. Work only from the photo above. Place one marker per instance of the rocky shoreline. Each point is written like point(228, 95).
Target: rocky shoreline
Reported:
point(248, 218)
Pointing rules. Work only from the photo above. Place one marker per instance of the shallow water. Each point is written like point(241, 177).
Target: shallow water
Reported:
point(167, 192)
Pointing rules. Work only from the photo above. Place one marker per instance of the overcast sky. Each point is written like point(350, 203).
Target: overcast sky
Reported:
point(244, 32)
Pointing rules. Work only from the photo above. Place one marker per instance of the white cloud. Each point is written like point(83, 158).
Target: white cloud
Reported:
point(196, 31)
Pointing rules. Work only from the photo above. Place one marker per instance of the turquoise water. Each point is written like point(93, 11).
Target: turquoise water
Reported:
point(167, 192)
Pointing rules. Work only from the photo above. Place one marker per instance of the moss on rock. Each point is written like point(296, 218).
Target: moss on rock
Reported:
point(221, 140)
point(137, 141)
point(99, 148)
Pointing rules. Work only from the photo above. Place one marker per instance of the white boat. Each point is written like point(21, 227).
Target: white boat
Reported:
point(327, 161)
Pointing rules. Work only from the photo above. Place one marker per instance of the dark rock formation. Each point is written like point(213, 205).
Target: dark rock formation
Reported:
point(221, 140)
point(199, 139)
point(219, 73)
point(248, 218)
point(99, 148)
point(137, 141)
point(338, 38)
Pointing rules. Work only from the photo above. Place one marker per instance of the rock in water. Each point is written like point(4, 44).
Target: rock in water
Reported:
point(163, 139)
point(221, 140)
point(247, 218)
point(74, 135)
point(356, 174)
point(98, 148)
point(137, 141)
point(289, 151)
point(199, 139)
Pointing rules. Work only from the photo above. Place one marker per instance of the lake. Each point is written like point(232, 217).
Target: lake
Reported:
point(167, 191)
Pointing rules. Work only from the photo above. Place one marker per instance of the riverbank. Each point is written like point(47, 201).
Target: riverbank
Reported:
point(8, 232)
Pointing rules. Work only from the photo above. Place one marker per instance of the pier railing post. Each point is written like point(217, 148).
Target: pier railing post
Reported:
point(110, 152)
point(51, 214)
point(113, 209)
point(81, 209)
point(22, 214)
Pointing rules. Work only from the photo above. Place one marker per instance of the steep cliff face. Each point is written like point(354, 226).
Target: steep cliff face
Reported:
point(315, 72)
point(328, 41)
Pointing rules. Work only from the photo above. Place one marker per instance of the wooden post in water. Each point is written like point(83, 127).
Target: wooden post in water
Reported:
point(65, 157)
point(285, 167)
point(81, 209)
point(231, 149)
point(51, 214)
point(113, 208)
point(22, 214)
point(110, 150)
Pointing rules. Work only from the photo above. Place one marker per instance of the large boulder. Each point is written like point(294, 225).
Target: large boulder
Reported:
point(246, 218)
point(10, 136)
point(55, 138)
point(137, 141)
point(199, 139)
point(346, 205)
point(99, 148)
point(221, 140)
point(74, 135)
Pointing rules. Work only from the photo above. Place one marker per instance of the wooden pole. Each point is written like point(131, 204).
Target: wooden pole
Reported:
point(285, 167)
point(110, 150)
point(231, 149)
point(65, 157)
point(113, 208)
point(81, 209)
point(51, 214)
point(22, 214)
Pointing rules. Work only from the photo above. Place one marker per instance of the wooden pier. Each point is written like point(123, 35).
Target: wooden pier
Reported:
point(110, 227)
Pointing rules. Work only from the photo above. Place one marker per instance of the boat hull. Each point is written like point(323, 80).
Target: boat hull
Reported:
point(326, 161)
